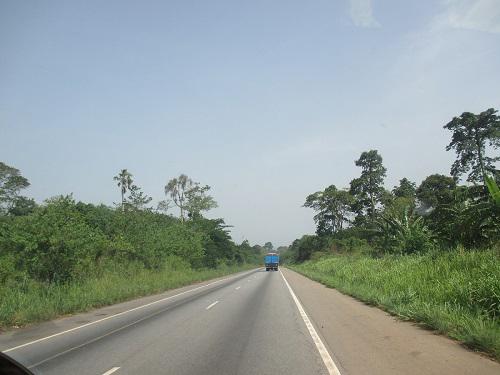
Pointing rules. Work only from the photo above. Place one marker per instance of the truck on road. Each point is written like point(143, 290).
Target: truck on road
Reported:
point(271, 261)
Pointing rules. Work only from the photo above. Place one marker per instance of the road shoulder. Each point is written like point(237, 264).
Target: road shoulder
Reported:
point(366, 340)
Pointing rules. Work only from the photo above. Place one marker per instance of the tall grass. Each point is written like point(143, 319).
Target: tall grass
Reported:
point(33, 301)
point(455, 293)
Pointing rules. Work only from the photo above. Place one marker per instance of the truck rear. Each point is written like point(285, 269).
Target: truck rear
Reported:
point(271, 261)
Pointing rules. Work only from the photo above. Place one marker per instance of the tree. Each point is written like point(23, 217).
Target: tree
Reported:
point(406, 189)
point(268, 246)
point(11, 183)
point(137, 198)
point(22, 206)
point(368, 189)
point(189, 196)
point(164, 206)
point(124, 179)
point(197, 200)
point(177, 187)
point(434, 190)
point(332, 206)
point(281, 249)
point(471, 134)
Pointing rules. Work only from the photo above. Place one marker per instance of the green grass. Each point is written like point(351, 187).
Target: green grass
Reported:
point(455, 293)
point(31, 302)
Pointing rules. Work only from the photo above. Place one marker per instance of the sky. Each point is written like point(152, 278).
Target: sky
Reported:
point(265, 101)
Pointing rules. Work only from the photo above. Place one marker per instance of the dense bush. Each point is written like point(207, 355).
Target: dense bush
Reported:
point(54, 243)
point(403, 235)
point(62, 240)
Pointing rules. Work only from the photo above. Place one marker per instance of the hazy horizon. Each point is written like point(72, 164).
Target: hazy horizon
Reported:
point(266, 103)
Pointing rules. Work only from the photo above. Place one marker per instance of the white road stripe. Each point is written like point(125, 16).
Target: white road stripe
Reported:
point(110, 371)
point(115, 315)
point(323, 352)
point(211, 305)
point(238, 287)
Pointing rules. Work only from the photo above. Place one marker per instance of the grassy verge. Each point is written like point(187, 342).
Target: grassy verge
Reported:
point(456, 293)
point(32, 301)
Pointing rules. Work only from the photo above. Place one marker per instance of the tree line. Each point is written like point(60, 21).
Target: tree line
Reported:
point(437, 214)
point(63, 240)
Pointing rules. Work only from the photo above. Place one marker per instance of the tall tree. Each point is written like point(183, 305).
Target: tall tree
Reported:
point(471, 134)
point(332, 208)
point(22, 206)
point(268, 246)
point(406, 189)
point(176, 188)
point(434, 190)
point(189, 196)
point(198, 200)
point(368, 189)
point(124, 182)
point(11, 183)
point(137, 198)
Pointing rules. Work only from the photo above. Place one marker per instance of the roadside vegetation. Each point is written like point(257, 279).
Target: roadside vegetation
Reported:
point(429, 252)
point(64, 256)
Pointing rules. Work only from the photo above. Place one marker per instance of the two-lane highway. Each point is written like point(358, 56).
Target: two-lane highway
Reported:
point(244, 324)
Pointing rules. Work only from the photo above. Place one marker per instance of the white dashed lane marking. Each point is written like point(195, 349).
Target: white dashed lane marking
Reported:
point(110, 371)
point(211, 305)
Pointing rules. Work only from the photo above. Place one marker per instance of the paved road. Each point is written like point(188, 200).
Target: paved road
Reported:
point(250, 323)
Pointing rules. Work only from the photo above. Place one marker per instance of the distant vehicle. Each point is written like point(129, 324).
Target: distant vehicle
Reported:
point(272, 261)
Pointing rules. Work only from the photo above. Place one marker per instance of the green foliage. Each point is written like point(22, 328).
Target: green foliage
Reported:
point(198, 200)
point(332, 208)
point(405, 234)
point(349, 245)
point(21, 206)
point(124, 181)
point(137, 199)
point(471, 134)
point(217, 243)
point(456, 292)
point(368, 189)
point(11, 183)
point(405, 189)
point(65, 241)
point(468, 218)
point(54, 243)
point(268, 246)
point(189, 196)
point(436, 189)
point(492, 189)
point(301, 249)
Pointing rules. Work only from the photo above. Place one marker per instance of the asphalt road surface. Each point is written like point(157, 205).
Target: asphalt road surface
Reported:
point(255, 322)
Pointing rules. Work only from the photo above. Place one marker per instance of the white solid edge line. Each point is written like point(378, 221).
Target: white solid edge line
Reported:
point(325, 356)
point(110, 371)
point(211, 305)
point(114, 316)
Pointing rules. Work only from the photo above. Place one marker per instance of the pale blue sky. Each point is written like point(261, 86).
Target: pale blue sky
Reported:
point(266, 101)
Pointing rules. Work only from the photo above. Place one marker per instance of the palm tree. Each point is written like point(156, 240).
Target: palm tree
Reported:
point(125, 181)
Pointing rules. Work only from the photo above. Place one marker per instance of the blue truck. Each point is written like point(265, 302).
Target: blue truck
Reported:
point(272, 261)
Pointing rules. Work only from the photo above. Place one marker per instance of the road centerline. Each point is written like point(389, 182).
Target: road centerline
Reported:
point(211, 305)
point(111, 370)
